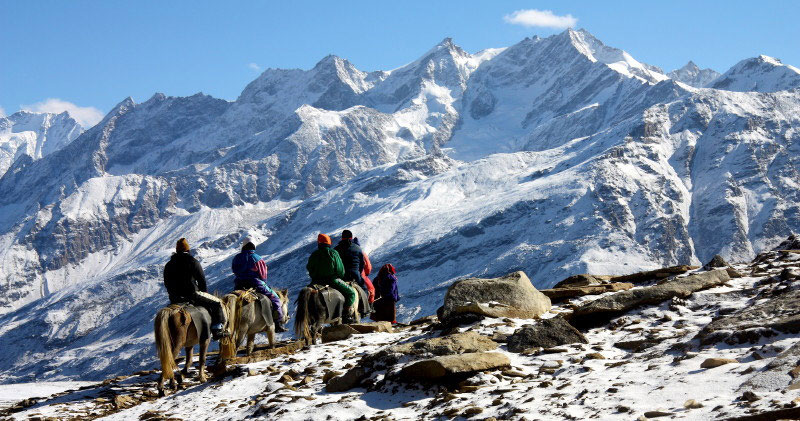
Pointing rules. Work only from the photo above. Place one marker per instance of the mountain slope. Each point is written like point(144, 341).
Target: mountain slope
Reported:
point(556, 156)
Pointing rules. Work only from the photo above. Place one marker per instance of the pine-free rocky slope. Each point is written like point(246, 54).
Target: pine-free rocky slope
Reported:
point(555, 156)
point(655, 360)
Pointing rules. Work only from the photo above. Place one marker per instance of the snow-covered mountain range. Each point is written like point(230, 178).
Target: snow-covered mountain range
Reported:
point(30, 136)
point(555, 156)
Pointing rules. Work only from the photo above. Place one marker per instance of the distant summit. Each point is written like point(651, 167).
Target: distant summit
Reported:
point(692, 75)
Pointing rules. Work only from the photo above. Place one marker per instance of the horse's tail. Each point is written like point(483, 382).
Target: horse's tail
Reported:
point(301, 329)
point(164, 342)
point(227, 345)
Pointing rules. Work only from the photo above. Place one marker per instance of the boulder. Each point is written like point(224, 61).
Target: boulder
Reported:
point(453, 365)
point(346, 381)
point(778, 314)
point(599, 311)
point(651, 275)
point(547, 333)
point(716, 262)
point(563, 293)
point(458, 343)
point(716, 362)
point(581, 280)
point(337, 333)
point(510, 296)
point(372, 327)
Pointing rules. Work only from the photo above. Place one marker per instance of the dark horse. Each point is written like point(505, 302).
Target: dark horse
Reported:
point(317, 307)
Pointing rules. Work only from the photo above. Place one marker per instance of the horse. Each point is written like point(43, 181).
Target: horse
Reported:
point(248, 319)
point(312, 312)
point(175, 329)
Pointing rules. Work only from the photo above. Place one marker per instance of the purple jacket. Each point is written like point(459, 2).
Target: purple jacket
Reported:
point(386, 287)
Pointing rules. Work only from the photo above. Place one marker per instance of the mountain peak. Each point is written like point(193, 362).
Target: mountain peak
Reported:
point(692, 75)
point(759, 74)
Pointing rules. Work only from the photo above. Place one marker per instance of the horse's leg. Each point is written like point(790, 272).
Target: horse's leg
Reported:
point(161, 384)
point(188, 364)
point(176, 350)
point(271, 336)
point(202, 362)
point(250, 342)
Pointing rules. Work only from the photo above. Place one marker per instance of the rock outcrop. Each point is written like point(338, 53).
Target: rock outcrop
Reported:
point(546, 333)
point(600, 310)
point(653, 275)
point(510, 296)
point(778, 314)
point(455, 365)
point(563, 293)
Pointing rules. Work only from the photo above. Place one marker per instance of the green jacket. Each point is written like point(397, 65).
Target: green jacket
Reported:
point(325, 265)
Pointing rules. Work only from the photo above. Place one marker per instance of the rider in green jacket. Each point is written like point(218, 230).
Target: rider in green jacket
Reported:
point(325, 267)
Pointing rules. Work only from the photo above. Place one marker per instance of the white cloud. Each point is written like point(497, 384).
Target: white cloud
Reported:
point(540, 18)
point(2, 112)
point(254, 67)
point(86, 116)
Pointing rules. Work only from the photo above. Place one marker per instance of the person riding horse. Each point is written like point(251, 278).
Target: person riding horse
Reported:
point(186, 283)
point(325, 268)
point(251, 272)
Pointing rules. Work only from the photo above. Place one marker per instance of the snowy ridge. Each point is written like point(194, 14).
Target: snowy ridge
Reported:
point(556, 156)
point(759, 74)
point(692, 75)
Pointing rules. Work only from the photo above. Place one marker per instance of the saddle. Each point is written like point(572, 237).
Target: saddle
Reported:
point(326, 291)
point(200, 317)
point(248, 296)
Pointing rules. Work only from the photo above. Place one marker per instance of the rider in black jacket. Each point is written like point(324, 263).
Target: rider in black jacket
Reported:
point(352, 258)
point(186, 283)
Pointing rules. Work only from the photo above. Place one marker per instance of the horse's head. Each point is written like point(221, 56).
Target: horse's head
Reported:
point(283, 296)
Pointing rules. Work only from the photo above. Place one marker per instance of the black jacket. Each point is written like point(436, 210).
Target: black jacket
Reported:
point(183, 277)
point(352, 258)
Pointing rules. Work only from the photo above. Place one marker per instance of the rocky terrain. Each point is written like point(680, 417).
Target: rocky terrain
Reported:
point(675, 343)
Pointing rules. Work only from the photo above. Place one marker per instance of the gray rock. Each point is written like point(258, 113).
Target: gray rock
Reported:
point(583, 279)
point(510, 296)
point(652, 275)
point(778, 314)
point(716, 262)
point(451, 365)
point(779, 374)
point(337, 333)
point(546, 333)
point(372, 327)
point(600, 310)
point(458, 343)
point(346, 381)
point(563, 293)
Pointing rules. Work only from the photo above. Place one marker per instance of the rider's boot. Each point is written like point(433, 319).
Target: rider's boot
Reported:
point(279, 327)
point(347, 315)
point(217, 331)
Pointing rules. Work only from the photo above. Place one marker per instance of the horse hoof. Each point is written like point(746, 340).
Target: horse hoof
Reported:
point(161, 393)
point(203, 379)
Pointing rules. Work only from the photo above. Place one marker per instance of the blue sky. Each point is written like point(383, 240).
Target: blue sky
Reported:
point(91, 54)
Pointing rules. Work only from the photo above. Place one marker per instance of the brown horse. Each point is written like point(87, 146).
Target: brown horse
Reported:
point(175, 329)
point(248, 320)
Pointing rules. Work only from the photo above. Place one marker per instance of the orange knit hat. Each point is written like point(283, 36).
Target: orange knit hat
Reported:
point(323, 239)
point(182, 245)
